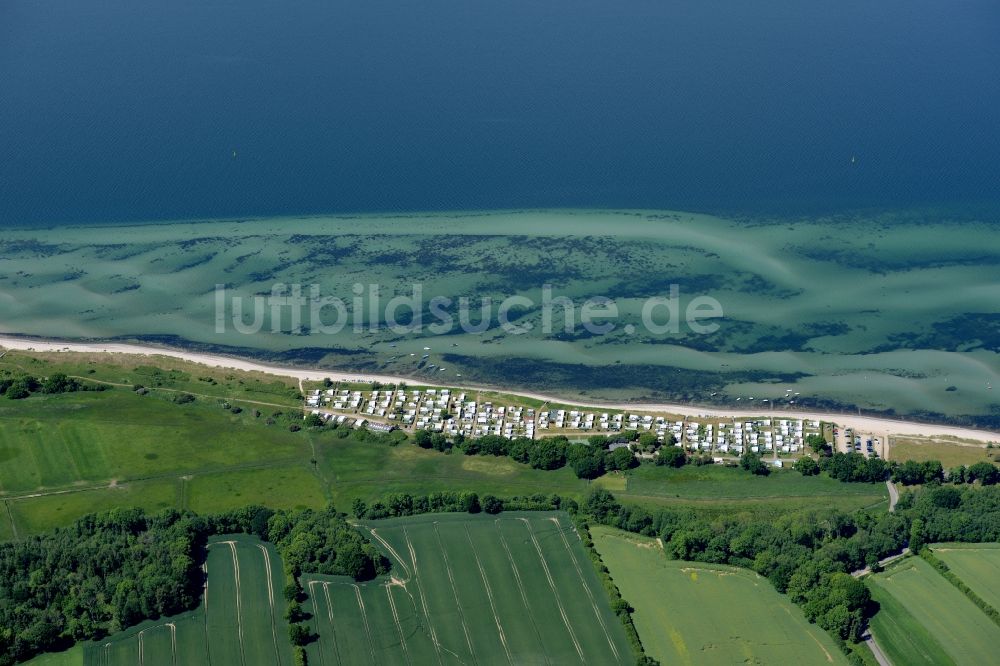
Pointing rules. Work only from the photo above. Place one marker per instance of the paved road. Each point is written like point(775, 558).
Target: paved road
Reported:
point(880, 656)
point(884, 561)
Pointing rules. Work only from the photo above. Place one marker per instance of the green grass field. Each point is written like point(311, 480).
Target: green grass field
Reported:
point(727, 489)
point(240, 620)
point(694, 613)
point(161, 373)
point(924, 619)
point(977, 564)
point(38, 514)
point(292, 486)
point(71, 657)
point(61, 441)
point(369, 471)
point(63, 456)
point(516, 588)
point(951, 452)
point(6, 527)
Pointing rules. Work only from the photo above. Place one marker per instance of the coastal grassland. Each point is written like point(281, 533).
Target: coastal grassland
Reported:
point(33, 515)
point(71, 657)
point(950, 451)
point(66, 455)
point(166, 374)
point(291, 486)
point(709, 485)
point(938, 618)
point(695, 613)
point(65, 440)
point(512, 588)
point(860, 344)
point(357, 469)
point(977, 564)
point(240, 619)
point(6, 526)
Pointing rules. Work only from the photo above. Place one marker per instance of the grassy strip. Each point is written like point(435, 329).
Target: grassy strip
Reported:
point(621, 607)
point(946, 572)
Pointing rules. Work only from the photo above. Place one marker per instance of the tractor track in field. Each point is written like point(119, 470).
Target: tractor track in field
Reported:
point(392, 552)
point(454, 592)
point(423, 599)
point(524, 595)
point(239, 601)
point(489, 595)
point(333, 624)
point(173, 642)
point(312, 596)
point(270, 600)
point(364, 619)
point(552, 588)
point(586, 588)
point(395, 620)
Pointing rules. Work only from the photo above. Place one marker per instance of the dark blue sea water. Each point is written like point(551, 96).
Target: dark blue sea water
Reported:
point(132, 109)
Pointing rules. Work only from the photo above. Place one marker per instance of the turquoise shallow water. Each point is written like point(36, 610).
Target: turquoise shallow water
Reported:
point(891, 314)
point(132, 109)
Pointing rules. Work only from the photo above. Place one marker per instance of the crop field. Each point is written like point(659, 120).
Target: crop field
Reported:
point(516, 588)
point(694, 613)
point(713, 485)
point(924, 619)
point(240, 620)
point(977, 564)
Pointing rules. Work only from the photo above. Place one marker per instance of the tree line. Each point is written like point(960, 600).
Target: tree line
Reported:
point(588, 461)
point(109, 571)
point(18, 387)
point(593, 459)
point(809, 554)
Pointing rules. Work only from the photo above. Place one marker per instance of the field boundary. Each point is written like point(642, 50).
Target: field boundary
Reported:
point(945, 572)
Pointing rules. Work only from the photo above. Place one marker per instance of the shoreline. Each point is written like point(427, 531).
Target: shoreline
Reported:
point(863, 423)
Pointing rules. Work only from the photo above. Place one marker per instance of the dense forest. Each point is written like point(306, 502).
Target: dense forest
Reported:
point(113, 570)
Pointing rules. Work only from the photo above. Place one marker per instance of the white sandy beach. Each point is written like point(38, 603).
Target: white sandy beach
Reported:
point(881, 426)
